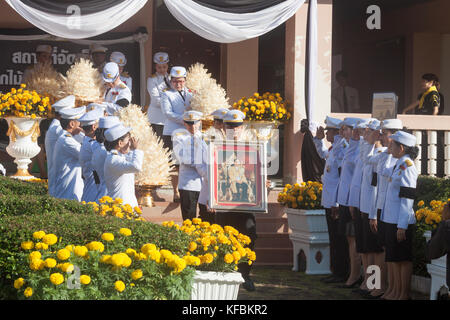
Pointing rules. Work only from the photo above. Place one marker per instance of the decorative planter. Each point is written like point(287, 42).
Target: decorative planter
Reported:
point(263, 130)
point(437, 269)
point(144, 195)
point(23, 134)
point(210, 285)
point(310, 235)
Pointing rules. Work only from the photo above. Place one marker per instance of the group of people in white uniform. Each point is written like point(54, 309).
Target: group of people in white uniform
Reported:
point(369, 183)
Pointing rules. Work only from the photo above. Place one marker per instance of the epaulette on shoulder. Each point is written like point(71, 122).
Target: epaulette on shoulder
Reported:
point(181, 133)
point(408, 162)
point(67, 135)
point(123, 86)
point(153, 75)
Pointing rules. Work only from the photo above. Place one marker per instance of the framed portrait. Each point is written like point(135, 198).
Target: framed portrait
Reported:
point(384, 105)
point(237, 174)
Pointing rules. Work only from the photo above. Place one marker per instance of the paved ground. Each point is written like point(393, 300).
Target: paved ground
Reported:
point(281, 283)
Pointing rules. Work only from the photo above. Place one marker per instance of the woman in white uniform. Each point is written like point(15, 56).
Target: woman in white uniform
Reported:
point(398, 213)
point(122, 162)
point(121, 60)
point(155, 86)
point(117, 95)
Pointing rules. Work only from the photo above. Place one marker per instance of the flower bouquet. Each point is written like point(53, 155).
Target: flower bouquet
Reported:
point(306, 195)
point(266, 107)
point(24, 103)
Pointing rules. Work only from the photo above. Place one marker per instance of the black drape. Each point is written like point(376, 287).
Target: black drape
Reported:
point(238, 6)
point(60, 7)
point(312, 163)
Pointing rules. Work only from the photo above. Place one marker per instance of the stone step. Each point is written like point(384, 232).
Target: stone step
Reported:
point(273, 240)
point(272, 224)
point(273, 256)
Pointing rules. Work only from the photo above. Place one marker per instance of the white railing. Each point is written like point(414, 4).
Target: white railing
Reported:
point(419, 124)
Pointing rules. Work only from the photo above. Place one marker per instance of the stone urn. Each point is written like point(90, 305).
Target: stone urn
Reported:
point(310, 236)
point(23, 134)
point(209, 285)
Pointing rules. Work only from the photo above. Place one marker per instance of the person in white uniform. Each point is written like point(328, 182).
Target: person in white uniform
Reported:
point(99, 152)
point(98, 56)
point(53, 133)
point(121, 60)
point(123, 161)
point(174, 102)
point(67, 170)
point(118, 95)
point(398, 213)
point(217, 131)
point(347, 227)
point(384, 166)
point(187, 148)
point(89, 124)
point(158, 82)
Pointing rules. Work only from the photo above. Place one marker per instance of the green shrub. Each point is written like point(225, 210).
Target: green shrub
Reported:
point(77, 229)
point(9, 186)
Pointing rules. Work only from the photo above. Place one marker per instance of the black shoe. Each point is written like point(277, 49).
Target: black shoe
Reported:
point(349, 286)
point(249, 285)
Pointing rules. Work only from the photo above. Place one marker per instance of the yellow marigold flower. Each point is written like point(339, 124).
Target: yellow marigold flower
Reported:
point(18, 283)
point(228, 258)
point(56, 278)
point(206, 242)
point(118, 201)
point(136, 274)
point(34, 255)
point(28, 292)
point(85, 279)
point(66, 267)
point(125, 231)
point(421, 203)
point(196, 221)
point(50, 263)
point(38, 235)
point(119, 285)
point(117, 259)
point(131, 252)
point(155, 255)
point(27, 245)
point(63, 254)
point(108, 236)
point(105, 258)
point(50, 239)
point(209, 258)
point(37, 264)
point(146, 248)
point(80, 251)
point(95, 246)
point(236, 256)
point(192, 246)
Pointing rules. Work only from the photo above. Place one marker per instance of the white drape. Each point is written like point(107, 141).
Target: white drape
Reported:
point(225, 27)
point(75, 25)
point(312, 54)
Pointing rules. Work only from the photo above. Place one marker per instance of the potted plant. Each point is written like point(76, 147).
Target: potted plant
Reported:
point(23, 109)
point(428, 217)
point(308, 224)
point(215, 252)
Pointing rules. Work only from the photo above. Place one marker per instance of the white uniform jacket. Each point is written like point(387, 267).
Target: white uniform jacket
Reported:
point(398, 207)
point(173, 105)
point(347, 169)
point(53, 133)
point(385, 165)
point(155, 87)
point(67, 169)
point(98, 164)
point(119, 94)
point(187, 148)
point(355, 185)
point(90, 189)
point(119, 170)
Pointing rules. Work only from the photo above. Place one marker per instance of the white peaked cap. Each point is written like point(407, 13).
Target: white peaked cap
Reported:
point(404, 138)
point(161, 58)
point(116, 132)
point(91, 117)
point(108, 122)
point(119, 58)
point(72, 113)
point(178, 72)
point(392, 124)
point(110, 72)
point(67, 102)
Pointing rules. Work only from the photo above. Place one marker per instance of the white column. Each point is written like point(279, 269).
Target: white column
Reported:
point(418, 161)
point(142, 38)
point(447, 154)
point(432, 152)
